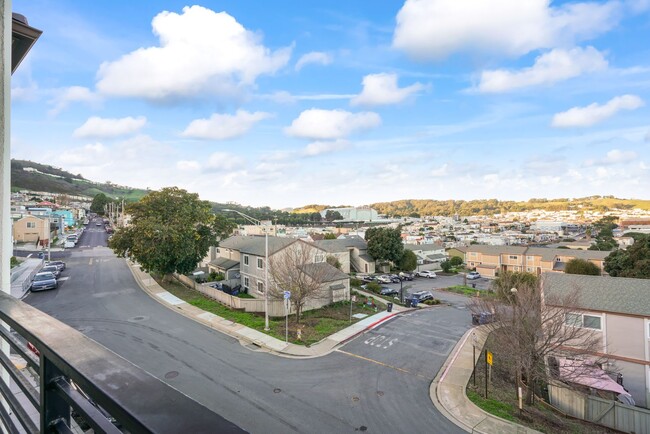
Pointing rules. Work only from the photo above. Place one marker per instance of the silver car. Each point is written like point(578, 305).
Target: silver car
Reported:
point(43, 281)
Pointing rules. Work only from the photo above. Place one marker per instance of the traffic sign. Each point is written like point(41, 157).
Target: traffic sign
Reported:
point(287, 295)
point(489, 358)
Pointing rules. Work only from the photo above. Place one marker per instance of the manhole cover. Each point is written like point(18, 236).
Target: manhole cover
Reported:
point(277, 390)
point(139, 318)
point(171, 374)
point(355, 398)
point(363, 428)
point(380, 393)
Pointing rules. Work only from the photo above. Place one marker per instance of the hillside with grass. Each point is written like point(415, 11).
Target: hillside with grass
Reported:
point(28, 175)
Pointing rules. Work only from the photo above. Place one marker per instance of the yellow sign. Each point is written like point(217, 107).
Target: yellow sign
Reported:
point(489, 358)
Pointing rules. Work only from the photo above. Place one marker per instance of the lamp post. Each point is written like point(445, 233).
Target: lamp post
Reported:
point(515, 301)
point(266, 264)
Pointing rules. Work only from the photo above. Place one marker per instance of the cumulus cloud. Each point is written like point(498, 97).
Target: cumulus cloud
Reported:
point(551, 67)
point(316, 57)
point(321, 124)
point(87, 155)
point(441, 171)
point(200, 52)
point(382, 89)
point(433, 29)
point(224, 126)
point(189, 165)
point(325, 147)
point(64, 97)
point(96, 127)
point(615, 156)
point(595, 113)
point(223, 161)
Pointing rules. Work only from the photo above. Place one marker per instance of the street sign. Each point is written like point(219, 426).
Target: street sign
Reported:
point(287, 295)
point(489, 358)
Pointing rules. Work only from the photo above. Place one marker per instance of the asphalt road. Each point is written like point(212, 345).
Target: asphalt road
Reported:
point(379, 382)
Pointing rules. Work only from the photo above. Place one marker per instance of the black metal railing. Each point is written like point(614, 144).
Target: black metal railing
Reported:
point(74, 375)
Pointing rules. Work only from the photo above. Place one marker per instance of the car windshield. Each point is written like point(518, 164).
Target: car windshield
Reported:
point(41, 277)
point(49, 268)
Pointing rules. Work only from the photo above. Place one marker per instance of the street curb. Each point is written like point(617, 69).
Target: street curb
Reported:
point(241, 338)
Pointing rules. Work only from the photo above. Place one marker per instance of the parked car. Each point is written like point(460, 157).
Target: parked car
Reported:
point(368, 279)
point(59, 264)
point(426, 273)
point(43, 281)
point(420, 296)
point(385, 290)
point(406, 276)
point(51, 269)
point(473, 275)
point(98, 224)
point(384, 279)
point(480, 318)
point(394, 278)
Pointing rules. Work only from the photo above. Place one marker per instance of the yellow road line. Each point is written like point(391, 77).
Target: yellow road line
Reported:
point(380, 363)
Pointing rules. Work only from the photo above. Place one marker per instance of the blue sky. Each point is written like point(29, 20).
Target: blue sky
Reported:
point(287, 103)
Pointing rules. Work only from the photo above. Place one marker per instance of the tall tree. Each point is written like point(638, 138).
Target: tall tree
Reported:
point(171, 230)
point(581, 266)
point(99, 201)
point(331, 215)
point(385, 244)
point(409, 261)
point(631, 262)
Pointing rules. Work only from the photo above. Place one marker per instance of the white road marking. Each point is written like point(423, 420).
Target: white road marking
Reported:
point(63, 279)
point(90, 262)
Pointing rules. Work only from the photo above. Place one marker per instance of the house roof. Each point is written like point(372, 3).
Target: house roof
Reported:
point(607, 294)
point(436, 256)
point(366, 257)
point(341, 244)
point(255, 245)
point(224, 263)
point(548, 254)
point(423, 247)
point(327, 272)
point(496, 250)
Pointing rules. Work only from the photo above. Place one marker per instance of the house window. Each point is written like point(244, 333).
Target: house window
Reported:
point(585, 321)
point(260, 287)
point(260, 263)
point(529, 258)
point(31, 225)
point(514, 257)
point(319, 258)
point(218, 251)
point(245, 259)
point(246, 283)
point(528, 269)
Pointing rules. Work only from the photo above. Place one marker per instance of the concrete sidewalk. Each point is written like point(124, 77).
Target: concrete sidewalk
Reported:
point(21, 276)
point(448, 391)
point(251, 336)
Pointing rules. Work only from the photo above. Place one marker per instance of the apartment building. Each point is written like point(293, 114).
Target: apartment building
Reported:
point(618, 310)
point(490, 260)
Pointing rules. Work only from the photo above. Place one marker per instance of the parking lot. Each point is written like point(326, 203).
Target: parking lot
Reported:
point(423, 283)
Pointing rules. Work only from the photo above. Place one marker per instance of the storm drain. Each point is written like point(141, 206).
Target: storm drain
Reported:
point(171, 374)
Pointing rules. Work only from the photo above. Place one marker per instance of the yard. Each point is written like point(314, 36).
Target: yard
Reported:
point(314, 325)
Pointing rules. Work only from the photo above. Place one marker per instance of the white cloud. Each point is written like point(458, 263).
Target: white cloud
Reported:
point(331, 124)
point(284, 97)
point(222, 127)
point(615, 156)
point(96, 127)
point(595, 113)
point(223, 161)
point(325, 147)
point(441, 171)
point(189, 165)
point(201, 52)
point(433, 29)
point(382, 89)
point(64, 97)
point(317, 57)
point(551, 67)
point(88, 155)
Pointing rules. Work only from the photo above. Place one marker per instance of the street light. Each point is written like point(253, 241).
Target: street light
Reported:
point(266, 264)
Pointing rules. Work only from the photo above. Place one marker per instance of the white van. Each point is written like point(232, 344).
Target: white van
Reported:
point(69, 244)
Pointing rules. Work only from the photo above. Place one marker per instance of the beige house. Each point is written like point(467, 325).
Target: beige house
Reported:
point(490, 260)
point(619, 310)
point(351, 252)
point(31, 229)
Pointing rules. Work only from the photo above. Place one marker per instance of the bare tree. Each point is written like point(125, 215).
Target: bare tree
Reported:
point(534, 326)
point(294, 269)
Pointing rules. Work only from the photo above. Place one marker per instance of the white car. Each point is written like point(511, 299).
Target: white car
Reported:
point(426, 273)
point(473, 275)
point(384, 279)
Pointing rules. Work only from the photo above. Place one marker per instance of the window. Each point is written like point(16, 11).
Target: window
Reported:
point(514, 257)
point(585, 321)
point(246, 282)
point(245, 259)
point(260, 287)
point(31, 225)
point(319, 258)
point(529, 269)
point(260, 263)
point(529, 258)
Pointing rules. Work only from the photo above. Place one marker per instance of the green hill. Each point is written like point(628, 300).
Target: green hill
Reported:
point(41, 177)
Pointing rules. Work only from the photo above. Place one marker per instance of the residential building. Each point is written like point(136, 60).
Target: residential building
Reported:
point(489, 260)
point(351, 252)
point(32, 229)
point(618, 310)
point(428, 253)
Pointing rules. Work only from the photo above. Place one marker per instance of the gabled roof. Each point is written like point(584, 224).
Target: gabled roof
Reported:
point(341, 244)
point(224, 263)
point(327, 272)
point(496, 250)
point(255, 245)
point(548, 254)
point(423, 247)
point(606, 294)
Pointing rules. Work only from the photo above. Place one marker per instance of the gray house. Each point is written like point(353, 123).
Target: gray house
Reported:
point(618, 309)
point(351, 252)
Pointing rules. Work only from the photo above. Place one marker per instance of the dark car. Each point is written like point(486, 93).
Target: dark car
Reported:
point(43, 281)
point(406, 276)
point(388, 291)
point(394, 278)
point(480, 318)
point(59, 264)
point(54, 269)
point(368, 279)
point(420, 296)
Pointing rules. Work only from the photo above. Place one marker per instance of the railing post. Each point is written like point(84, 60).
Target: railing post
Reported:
point(54, 409)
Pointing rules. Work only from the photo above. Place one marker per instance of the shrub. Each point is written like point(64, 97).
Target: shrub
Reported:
point(355, 282)
point(446, 266)
point(212, 276)
point(220, 277)
point(373, 287)
point(456, 261)
point(431, 302)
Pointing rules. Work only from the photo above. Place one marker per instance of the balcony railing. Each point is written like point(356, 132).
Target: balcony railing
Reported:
point(75, 374)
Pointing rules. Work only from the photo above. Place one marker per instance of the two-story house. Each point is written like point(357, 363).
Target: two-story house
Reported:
point(428, 253)
point(618, 309)
point(351, 252)
point(32, 229)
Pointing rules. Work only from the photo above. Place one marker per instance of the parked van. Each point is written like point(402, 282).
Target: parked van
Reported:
point(69, 244)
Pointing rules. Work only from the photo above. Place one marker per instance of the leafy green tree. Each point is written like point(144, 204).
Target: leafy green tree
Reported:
point(581, 266)
point(446, 266)
point(330, 236)
point(506, 280)
point(333, 261)
point(385, 244)
point(631, 262)
point(98, 203)
point(409, 261)
point(171, 231)
point(331, 215)
point(456, 261)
